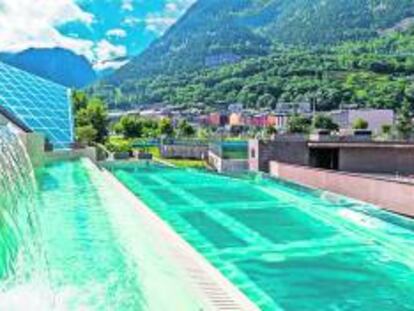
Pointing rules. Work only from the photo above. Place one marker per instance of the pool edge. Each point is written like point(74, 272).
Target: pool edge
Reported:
point(215, 290)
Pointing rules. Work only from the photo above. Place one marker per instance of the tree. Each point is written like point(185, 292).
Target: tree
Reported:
point(360, 124)
point(405, 120)
point(324, 122)
point(86, 134)
point(270, 130)
point(386, 129)
point(79, 100)
point(166, 128)
point(267, 101)
point(185, 129)
point(298, 124)
point(96, 115)
point(203, 133)
point(149, 128)
point(130, 127)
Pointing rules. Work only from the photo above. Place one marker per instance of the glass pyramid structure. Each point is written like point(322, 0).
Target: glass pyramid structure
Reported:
point(43, 106)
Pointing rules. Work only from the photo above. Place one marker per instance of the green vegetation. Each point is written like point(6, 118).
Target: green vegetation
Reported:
point(215, 32)
point(324, 122)
point(360, 124)
point(184, 163)
point(136, 127)
point(86, 134)
point(119, 144)
point(91, 118)
point(404, 124)
point(185, 129)
point(299, 124)
point(371, 74)
point(166, 127)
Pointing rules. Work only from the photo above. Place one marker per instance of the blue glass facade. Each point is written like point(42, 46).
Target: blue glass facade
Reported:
point(42, 105)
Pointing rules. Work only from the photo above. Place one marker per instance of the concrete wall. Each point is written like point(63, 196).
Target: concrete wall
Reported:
point(289, 149)
point(225, 165)
point(66, 155)
point(184, 152)
point(377, 160)
point(394, 196)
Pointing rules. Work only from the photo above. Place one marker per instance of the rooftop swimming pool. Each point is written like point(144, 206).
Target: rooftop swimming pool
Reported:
point(86, 249)
point(286, 247)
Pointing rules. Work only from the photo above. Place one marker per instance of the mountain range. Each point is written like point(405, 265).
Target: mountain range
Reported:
point(56, 64)
point(216, 32)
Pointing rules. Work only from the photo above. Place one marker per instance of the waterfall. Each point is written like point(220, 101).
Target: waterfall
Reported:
point(19, 243)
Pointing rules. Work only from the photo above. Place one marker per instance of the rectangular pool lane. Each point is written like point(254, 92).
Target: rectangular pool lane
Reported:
point(287, 247)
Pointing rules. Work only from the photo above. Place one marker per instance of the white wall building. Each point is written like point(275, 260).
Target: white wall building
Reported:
point(376, 118)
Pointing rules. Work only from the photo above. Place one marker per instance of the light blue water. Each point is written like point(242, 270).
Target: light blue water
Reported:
point(285, 246)
point(99, 254)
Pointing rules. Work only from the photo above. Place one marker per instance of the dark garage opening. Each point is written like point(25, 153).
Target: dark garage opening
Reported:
point(327, 158)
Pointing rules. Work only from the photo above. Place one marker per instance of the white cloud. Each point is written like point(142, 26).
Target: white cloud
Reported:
point(160, 22)
point(127, 5)
point(104, 65)
point(109, 56)
point(25, 24)
point(35, 23)
point(105, 50)
point(171, 7)
point(131, 21)
point(117, 32)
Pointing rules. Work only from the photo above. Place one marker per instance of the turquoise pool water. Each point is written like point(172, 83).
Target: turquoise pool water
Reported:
point(95, 253)
point(285, 246)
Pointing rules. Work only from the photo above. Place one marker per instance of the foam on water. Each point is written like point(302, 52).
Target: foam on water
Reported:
point(22, 257)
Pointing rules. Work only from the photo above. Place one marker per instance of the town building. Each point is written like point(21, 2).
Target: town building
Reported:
point(236, 119)
point(279, 121)
point(377, 172)
point(294, 107)
point(347, 154)
point(218, 119)
point(376, 118)
point(235, 108)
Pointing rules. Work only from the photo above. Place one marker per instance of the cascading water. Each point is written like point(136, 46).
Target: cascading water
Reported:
point(21, 255)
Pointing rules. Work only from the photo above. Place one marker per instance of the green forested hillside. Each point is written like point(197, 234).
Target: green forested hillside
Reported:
point(214, 32)
point(374, 73)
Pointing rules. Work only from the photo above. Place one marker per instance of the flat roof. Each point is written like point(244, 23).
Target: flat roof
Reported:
point(362, 144)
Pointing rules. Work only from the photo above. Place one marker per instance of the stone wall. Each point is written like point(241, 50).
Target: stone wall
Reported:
point(392, 195)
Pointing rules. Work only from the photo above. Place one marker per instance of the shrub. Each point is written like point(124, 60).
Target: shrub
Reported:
point(324, 122)
point(360, 124)
point(119, 145)
point(298, 124)
point(86, 134)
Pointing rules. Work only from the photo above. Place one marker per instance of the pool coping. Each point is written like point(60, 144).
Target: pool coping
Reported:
point(214, 289)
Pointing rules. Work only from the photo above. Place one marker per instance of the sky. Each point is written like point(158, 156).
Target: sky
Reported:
point(101, 30)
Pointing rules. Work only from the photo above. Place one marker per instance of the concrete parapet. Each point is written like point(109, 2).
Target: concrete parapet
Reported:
point(390, 194)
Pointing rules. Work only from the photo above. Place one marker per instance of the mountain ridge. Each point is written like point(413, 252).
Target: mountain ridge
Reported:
point(55, 64)
point(238, 29)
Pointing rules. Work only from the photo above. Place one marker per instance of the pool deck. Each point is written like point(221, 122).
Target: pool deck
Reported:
point(212, 288)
